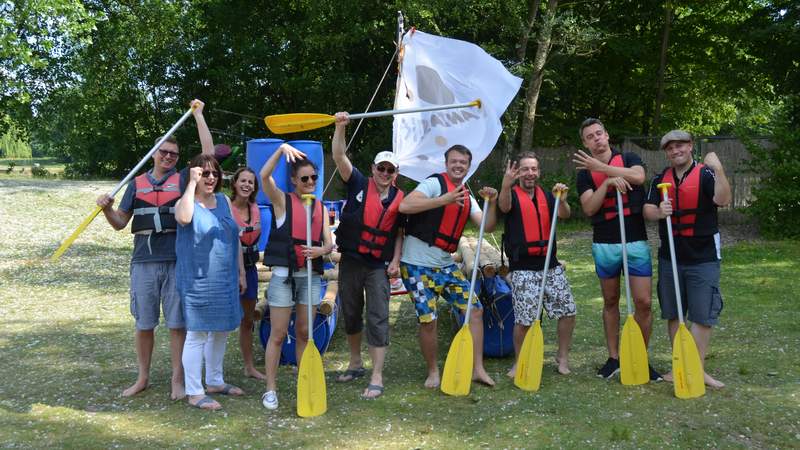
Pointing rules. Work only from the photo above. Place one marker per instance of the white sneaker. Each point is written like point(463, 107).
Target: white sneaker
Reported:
point(270, 400)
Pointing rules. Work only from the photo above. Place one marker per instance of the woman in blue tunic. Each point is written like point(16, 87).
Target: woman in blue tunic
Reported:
point(209, 263)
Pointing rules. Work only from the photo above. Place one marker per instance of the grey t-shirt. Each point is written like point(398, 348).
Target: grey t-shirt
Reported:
point(418, 252)
point(156, 247)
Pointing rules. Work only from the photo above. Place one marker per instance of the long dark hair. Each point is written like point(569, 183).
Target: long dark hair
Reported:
point(300, 163)
point(202, 160)
point(241, 170)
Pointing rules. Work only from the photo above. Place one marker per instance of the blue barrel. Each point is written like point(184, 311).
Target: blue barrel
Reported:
point(258, 152)
point(324, 326)
point(266, 225)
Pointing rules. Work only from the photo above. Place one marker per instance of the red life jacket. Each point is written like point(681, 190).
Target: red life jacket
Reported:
point(371, 229)
point(689, 217)
point(441, 227)
point(608, 210)
point(249, 233)
point(154, 206)
point(285, 243)
point(535, 221)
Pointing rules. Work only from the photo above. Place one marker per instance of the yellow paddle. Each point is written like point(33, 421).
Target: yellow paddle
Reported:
point(311, 396)
point(528, 375)
point(295, 122)
point(687, 369)
point(68, 241)
point(457, 374)
point(634, 368)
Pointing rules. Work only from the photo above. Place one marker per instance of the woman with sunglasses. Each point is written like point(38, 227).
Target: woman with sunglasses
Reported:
point(208, 266)
point(247, 216)
point(286, 253)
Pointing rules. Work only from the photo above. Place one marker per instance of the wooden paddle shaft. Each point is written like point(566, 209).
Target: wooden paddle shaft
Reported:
point(620, 211)
point(664, 187)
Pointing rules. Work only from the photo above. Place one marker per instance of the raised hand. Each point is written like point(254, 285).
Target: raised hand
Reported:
point(292, 154)
point(197, 107)
point(511, 174)
point(342, 118)
point(712, 161)
point(196, 174)
point(489, 193)
point(586, 161)
point(457, 195)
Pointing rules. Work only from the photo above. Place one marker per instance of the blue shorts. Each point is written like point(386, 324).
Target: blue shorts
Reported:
point(283, 293)
point(251, 291)
point(608, 259)
point(426, 284)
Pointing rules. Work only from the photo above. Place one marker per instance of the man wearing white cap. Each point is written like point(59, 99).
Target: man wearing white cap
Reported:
point(695, 193)
point(370, 238)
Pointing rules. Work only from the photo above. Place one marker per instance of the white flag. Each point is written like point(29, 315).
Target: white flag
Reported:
point(440, 71)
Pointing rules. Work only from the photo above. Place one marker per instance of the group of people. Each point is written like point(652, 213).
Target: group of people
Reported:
point(195, 253)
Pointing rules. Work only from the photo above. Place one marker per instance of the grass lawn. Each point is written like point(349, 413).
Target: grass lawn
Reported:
point(66, 346)
point(21, 167)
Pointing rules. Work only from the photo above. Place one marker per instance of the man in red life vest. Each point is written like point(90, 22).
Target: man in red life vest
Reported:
point(529, 211)
point(696, 192)
point(438, 209)
point(370, 238)
point(150, 201)
point(600, 173)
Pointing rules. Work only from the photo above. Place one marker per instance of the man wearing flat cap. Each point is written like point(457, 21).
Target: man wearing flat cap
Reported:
point(696, 191)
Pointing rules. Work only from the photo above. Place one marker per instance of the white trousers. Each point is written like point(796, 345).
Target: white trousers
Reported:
point(199, 345)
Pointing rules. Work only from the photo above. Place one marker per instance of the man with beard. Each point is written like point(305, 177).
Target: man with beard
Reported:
point(438, 210)
point(529, 211)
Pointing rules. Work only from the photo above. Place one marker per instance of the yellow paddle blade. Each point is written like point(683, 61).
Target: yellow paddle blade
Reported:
point(311, 396)
point(634, 368)
point(528, 376)
point(687, 369)
point(457, 375)
point(68, 241)
point(292, 123)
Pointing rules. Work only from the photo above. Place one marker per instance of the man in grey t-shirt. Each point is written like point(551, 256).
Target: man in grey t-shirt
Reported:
point(438, 210)
point(149, 200)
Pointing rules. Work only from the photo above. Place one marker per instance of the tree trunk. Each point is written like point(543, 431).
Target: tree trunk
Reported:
point(543, 44)
point(522, 45)
point(662, 66)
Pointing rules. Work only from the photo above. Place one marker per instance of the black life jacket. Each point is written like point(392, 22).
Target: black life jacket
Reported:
point(527, 227)
point(284, 247)
point(154, 205)
point(692, 213)
point(441, 227)
point(371, 229)
point(249, 233)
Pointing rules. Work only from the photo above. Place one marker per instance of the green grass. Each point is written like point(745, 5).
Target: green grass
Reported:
point(22, 167)
point(66, 350)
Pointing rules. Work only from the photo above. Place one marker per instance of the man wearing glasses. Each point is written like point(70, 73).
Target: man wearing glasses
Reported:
point(370, 238)
point(150, 201)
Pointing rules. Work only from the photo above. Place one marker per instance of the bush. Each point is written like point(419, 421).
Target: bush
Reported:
point(776, 207)
point(39, 172)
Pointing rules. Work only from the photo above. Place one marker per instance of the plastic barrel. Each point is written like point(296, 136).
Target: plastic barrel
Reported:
point(313, 151)
point(324, 326)
point(266, 225)
point(258, 152)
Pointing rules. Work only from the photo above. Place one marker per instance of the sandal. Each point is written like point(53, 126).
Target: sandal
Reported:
point(227, 390)
point(201, 404)
point(372, 387)
point(351, 374)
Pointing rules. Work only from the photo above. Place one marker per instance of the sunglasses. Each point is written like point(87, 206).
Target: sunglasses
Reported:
point(167, 153)
point(305, 178)
point(208, 173)
point(388, 169)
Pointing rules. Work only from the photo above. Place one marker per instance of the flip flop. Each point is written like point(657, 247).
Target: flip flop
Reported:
point(226, 390)
point(204, 401)
point(352, 373)
point(373, 387)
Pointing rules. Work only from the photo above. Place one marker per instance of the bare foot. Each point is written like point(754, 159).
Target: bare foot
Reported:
point(667, 377)
point(432, 382)
point(137, 387)
point(563, 366)
point(711, 382)
point(251, 372)
point(204, 402)
point(482, 377)
point(512, 372)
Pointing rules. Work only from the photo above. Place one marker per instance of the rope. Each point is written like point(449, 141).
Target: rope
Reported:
point(358, 126)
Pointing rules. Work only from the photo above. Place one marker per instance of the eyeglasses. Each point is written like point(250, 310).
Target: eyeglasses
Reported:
point(388, 169)
point(167, 153)
point(305, 178)
point(208, 173)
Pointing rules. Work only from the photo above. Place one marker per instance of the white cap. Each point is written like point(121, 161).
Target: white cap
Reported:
point(386, 156)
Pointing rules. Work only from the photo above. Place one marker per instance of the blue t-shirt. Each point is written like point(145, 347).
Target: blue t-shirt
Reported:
point(356, 193)
point(156, 247)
